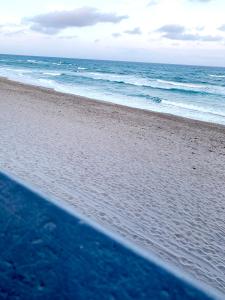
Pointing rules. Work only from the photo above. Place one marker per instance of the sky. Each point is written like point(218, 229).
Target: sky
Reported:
point(164, 31)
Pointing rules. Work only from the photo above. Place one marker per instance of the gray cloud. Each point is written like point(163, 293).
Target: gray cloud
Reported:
point(15, 33)
point(222, 28)
point(8, 25)
point(203, 1)
point(179, 33)
point(68, 37)
point(136, 30)
point(116, 34)
point(172, 28)
point(192, 37)
point(10, 30)
point(153, 2)
point(53, 22)
point(200, 28)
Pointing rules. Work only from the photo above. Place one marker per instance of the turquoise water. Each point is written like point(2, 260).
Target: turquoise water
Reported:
point(189, 91)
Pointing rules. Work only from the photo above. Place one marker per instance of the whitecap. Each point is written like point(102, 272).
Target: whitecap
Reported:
point(32, 61)
point(217, 76)
point(52, 73)
point(181, 84)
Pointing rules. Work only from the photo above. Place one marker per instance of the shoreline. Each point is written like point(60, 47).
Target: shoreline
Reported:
point(155, 179)
point(112, 104)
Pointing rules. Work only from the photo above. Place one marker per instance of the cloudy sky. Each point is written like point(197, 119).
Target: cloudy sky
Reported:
point(169, 31)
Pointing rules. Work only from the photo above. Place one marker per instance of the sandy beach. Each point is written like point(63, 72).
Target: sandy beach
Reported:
point(157, 180)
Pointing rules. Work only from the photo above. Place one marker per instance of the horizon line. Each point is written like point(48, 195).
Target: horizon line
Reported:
point(114, 60)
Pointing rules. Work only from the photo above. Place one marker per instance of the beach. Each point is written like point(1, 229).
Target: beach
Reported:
point(156, 179)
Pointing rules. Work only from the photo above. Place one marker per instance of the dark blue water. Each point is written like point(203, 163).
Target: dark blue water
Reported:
point(189, 91)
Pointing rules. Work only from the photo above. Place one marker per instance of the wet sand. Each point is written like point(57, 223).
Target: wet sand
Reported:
point(157, 180)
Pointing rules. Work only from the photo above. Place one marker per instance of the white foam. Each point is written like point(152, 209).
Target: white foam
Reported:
point(202, 111)
point(52, 73)
point(32, 61)
point(152, 83)
point(194, 108)
point(127, 79)
point(217, 76)
point(181, 84)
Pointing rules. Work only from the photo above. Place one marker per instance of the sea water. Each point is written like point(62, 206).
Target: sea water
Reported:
point(190, 91)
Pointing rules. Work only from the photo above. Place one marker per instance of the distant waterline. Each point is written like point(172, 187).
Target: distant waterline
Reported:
point(188, 91)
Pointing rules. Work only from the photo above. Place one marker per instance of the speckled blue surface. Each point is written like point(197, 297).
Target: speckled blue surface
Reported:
point(48, 253)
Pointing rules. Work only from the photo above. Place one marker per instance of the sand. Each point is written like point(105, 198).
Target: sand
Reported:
point(155, 179)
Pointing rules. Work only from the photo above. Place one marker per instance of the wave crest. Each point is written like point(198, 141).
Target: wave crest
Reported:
point(217, 76)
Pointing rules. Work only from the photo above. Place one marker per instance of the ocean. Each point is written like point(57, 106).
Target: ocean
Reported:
point(190, 91)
